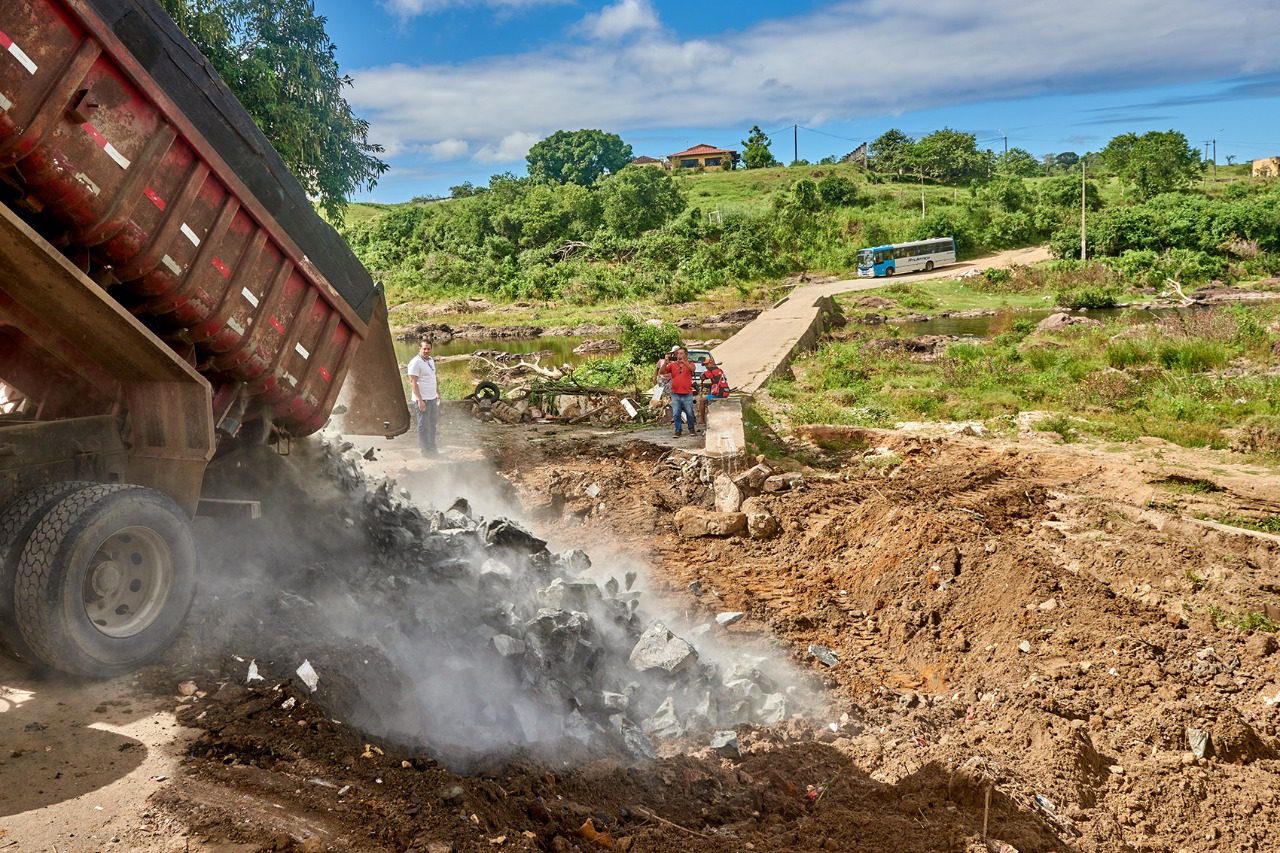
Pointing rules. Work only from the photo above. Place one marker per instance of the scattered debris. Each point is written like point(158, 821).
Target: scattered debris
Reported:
point(253, 673)
point(1200, 743)
point(726, 744)
point(309, 676)
point(824, 655)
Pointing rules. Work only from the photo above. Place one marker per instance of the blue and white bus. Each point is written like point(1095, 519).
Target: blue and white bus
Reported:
point(907, 257)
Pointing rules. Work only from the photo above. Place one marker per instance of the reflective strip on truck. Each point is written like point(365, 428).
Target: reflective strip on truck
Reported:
point(112, 152)
point(17, 53)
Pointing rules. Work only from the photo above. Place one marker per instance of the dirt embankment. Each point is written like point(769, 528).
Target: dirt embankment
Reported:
point(1007, 620)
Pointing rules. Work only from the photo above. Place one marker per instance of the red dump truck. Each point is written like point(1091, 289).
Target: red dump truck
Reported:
point(167, 292)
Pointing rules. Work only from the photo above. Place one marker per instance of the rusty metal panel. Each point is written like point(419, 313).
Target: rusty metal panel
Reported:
point(110, 169)
point(66, 320)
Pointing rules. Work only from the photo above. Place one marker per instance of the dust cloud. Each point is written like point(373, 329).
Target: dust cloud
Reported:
point(442, 624)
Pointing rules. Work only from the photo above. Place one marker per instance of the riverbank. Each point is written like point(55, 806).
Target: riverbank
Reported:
point(1203, 378)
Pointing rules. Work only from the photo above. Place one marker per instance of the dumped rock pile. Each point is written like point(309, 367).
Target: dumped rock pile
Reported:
point(467, 637)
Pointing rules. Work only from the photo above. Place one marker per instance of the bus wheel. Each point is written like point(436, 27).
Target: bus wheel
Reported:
point(105, 580)
point(888, 270)
point(928, 266)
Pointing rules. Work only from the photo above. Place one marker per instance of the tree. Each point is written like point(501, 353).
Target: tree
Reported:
point(1063, 191)
point(278, 60)
point(1018, 162)
point(950, 155)
point(577, 156)
point(639, 199)
point(891, 152)
point(466, 189)
point(1066, 160)
point(757, 154)
point(1154, 163)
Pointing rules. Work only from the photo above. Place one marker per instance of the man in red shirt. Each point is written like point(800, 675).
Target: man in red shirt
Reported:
point(681, 373)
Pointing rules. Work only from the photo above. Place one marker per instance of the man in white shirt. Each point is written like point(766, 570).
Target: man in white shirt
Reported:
point(426, 397)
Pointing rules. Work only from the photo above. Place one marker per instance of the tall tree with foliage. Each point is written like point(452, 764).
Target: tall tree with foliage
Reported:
point(1018, 162)
point(950, 155)
point(640, 199)
point(891, 152)
point(577, 156)
point(278, 60)
point(1153, 163)
point(756, 153)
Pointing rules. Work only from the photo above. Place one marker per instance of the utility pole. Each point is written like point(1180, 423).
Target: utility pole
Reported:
point(922, 191)
point(795, 143)
point(1215, 161)
point(1006, 144)
point(1082, 210)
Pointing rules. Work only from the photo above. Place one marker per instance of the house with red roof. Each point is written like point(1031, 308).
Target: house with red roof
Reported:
point(703, 157)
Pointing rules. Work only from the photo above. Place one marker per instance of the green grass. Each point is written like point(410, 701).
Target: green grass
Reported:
point(1247, 621)
point(552, 314)
point(1172, 389)
point(1266, 524)
point(937, 295)
point(1187, 485)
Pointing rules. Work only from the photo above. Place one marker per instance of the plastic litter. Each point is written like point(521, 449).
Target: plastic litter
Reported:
point(309, 676)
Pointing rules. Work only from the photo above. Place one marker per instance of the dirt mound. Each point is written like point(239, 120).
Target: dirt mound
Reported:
point(993, 607)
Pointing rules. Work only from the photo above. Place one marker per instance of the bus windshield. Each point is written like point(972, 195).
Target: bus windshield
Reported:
point(866, 257)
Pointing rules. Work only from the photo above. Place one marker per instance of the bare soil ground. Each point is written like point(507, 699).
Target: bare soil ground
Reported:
point(1023, 641)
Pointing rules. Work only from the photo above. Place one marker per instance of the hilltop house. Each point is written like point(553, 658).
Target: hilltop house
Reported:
point(643, 160)
point(702, 157)
point(1267, 167)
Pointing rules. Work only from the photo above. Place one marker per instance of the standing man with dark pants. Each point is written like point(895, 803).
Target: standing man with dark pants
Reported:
point(681, 373)
point(426, 397)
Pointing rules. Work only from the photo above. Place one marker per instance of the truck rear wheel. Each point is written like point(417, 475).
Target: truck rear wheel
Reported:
point(105, 580)
point(16, 524)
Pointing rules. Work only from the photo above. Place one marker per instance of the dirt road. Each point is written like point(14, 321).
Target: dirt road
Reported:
point(757, 352)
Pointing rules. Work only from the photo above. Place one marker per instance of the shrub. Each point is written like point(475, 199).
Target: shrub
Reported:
point(838, 191)
point(1060, 423)
point(608, 372)
point(645, 343)
point(1087, 297)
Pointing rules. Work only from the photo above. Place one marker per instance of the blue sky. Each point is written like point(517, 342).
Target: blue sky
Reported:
point(459, 89)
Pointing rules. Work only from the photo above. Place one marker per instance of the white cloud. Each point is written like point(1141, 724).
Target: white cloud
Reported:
point(448, 149)
point(620, 19)
point(511, 147)
point(855, 59)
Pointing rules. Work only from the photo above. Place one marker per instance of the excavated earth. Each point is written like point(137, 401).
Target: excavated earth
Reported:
point(1035, 650)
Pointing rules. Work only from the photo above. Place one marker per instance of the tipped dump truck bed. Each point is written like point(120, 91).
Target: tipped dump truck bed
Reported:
point(121, 147)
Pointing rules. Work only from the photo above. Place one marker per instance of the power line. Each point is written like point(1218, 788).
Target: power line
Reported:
point(832, 135)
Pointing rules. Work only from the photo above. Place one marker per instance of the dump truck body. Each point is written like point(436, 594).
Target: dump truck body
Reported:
point(165, 286)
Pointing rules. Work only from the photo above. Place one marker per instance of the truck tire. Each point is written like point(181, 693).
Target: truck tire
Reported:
point(16, 524)
point(105, 580)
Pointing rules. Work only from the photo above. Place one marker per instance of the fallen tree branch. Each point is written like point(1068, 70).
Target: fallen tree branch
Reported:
point(648, 815)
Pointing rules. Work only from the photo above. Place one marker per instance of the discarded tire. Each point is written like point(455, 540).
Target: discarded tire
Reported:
point(105, 580)
point(16, 523)
point(487, 391)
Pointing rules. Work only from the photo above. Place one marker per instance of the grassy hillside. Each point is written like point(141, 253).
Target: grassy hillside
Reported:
point(647, 234)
